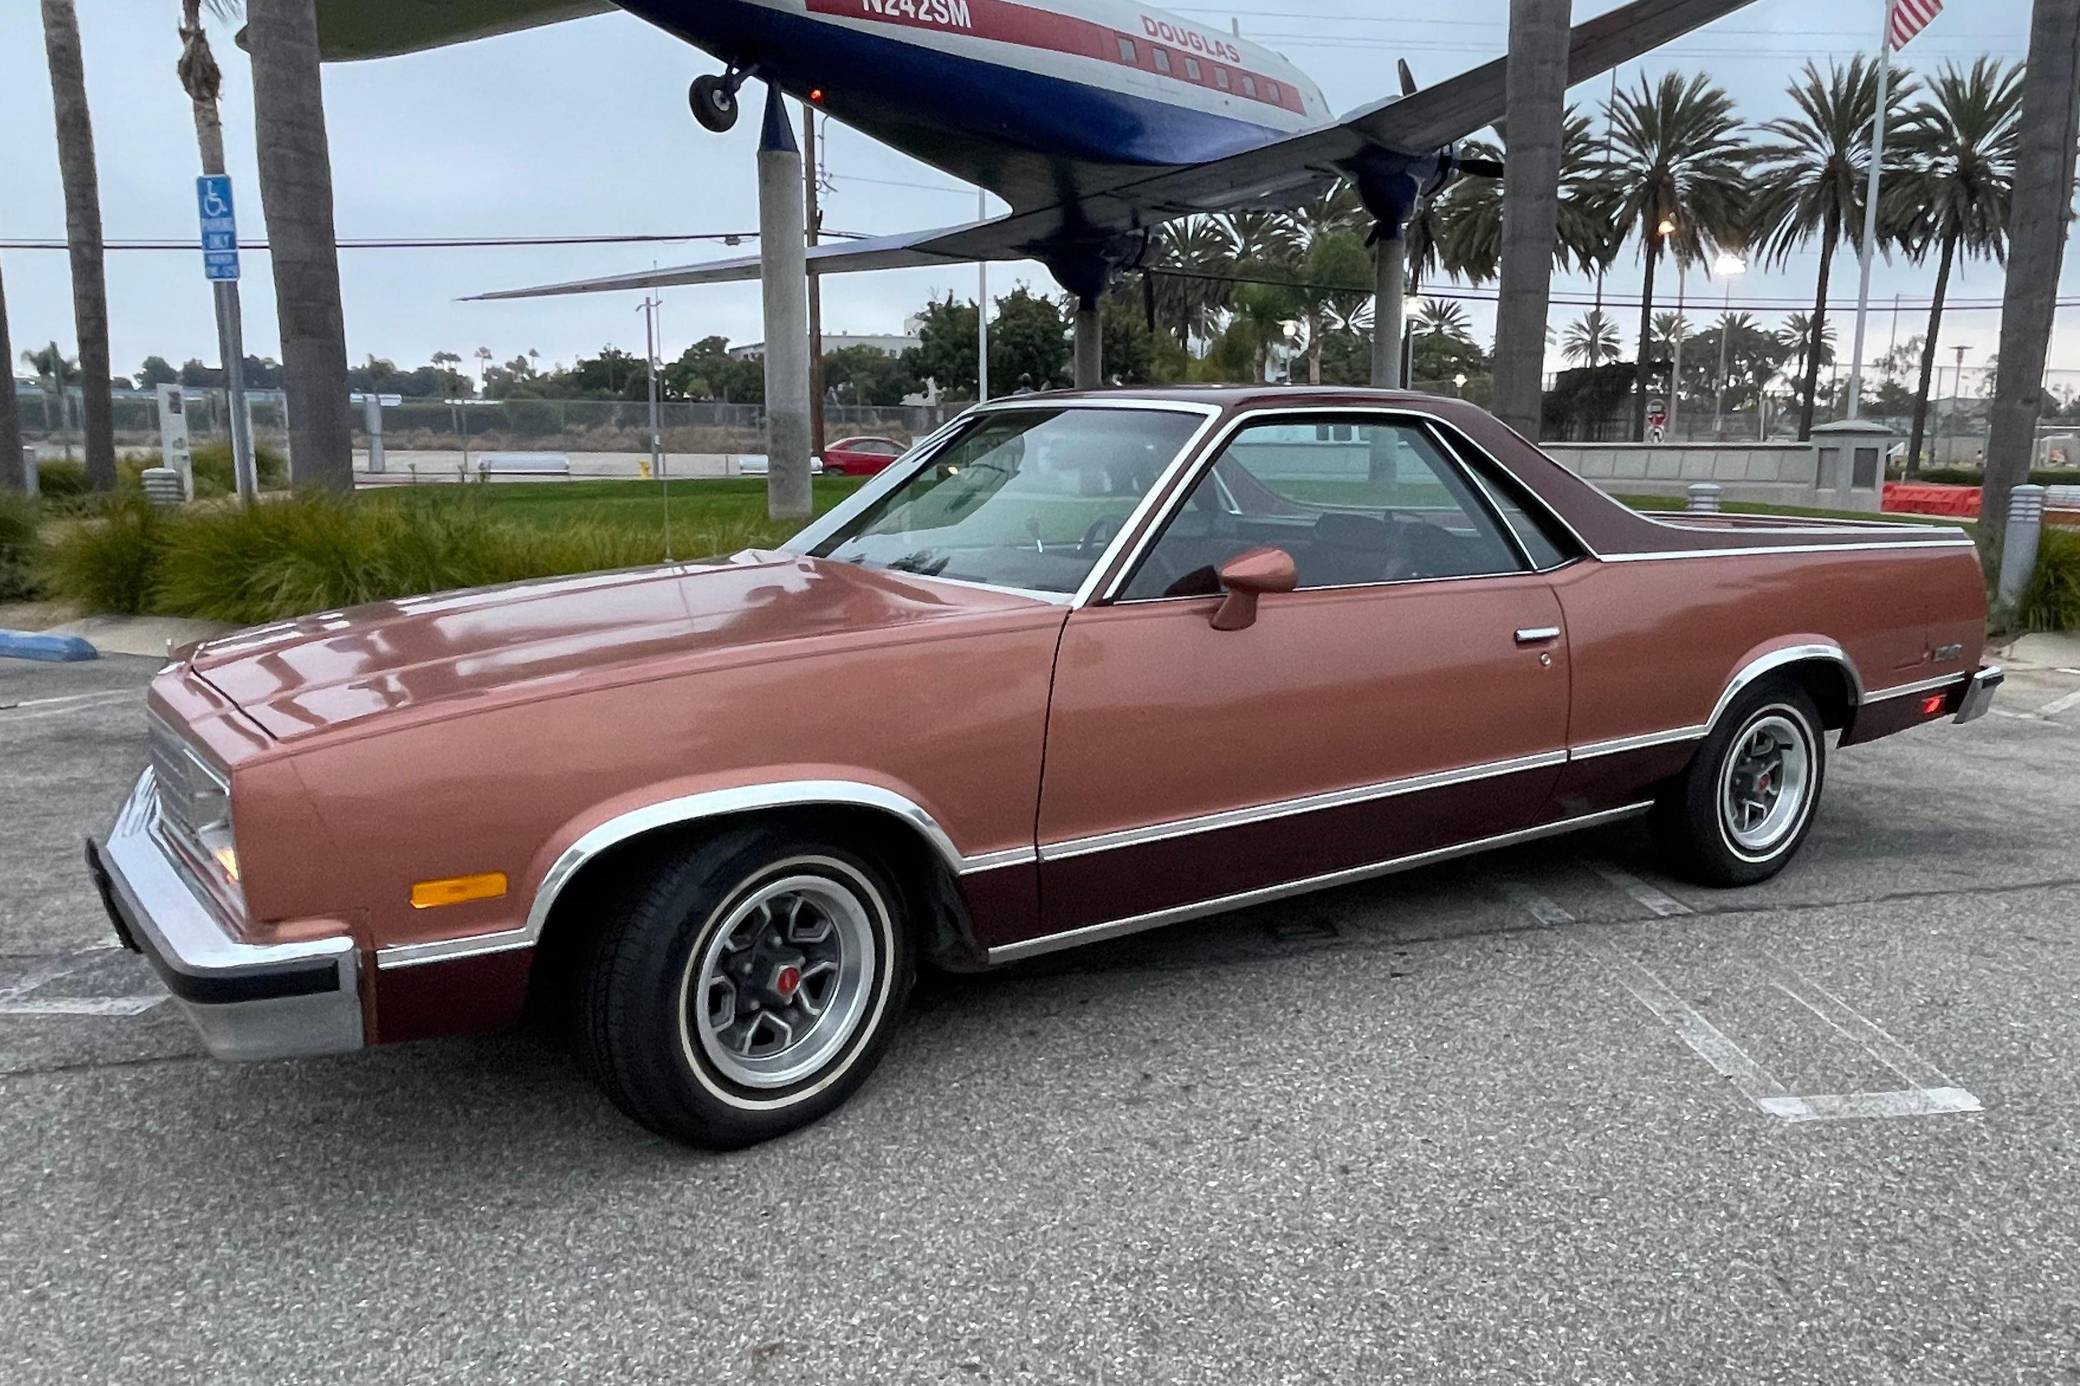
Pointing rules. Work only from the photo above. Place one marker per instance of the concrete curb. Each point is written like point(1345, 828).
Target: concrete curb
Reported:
point(53, 649)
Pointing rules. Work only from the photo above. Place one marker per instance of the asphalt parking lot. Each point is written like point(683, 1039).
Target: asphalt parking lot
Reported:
point(1544, 1116)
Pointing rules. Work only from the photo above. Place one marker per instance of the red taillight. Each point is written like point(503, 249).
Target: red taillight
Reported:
point(1933, 704)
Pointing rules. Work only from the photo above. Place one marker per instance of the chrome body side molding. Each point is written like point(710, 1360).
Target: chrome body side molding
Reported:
point(1646, 741)
point(692, 809)
point(1120, 928)
point(1285, 808)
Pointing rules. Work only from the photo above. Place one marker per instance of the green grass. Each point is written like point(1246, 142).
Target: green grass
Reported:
point(733, 511)
point(2052, 601)
point(1665, 504)
point(20, 521)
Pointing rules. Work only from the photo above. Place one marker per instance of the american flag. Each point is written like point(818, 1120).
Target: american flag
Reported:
point(1910, 17)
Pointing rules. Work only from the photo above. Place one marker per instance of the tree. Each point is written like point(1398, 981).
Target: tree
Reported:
point(296, 193)
point(2038, 225)
point(1584, 237)
point(863, 375)
point(1535, 83)
point(1335, 266)
point(12, 475)
point(156, 371)
point(1683, 184)
point(1440, 317)
point(54, 371)
point(1957, 154)
point(945, 350)
point(1189, 301)
point(1811, 182)
point(1796, 337)
point(446, 361)
point(82, 237)
point(1592, 339)
point(1028, 340)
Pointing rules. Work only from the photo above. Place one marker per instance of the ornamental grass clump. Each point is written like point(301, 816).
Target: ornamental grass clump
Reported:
point(108, 562)
point(2052, 600)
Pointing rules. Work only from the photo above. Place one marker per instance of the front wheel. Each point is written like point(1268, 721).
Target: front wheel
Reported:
point(1742, 809)
point(714, 103)
point(746, 988)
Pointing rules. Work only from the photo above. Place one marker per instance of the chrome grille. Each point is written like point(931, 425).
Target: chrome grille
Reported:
point(192, 796)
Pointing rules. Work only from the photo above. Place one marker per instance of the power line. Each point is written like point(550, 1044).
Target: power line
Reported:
point(431, 242)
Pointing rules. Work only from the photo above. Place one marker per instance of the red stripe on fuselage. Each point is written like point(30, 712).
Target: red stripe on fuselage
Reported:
point(1028, 27)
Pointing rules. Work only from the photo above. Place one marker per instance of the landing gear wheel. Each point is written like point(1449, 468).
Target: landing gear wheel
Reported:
point(745, 988)
point(714, 103)
point(1742, 809)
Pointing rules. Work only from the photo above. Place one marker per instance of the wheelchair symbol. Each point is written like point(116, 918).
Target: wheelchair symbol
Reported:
point(214, 205)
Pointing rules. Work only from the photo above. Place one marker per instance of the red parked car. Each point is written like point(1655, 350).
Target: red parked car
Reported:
point(1108, 662)
point(860, 456)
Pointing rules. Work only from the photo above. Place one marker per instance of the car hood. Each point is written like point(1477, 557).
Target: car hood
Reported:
point(297, 678)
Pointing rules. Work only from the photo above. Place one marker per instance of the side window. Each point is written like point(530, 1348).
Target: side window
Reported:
point(1220, 78)
point(1249, 86)
point(1127, 52)
point(1356, 502)
point(1163, 61)
point(1191, 68)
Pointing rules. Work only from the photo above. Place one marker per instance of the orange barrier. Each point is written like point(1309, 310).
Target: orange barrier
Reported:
point(1958, 502)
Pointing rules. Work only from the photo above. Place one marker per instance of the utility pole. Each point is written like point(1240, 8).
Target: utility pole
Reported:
point(812, 221)
point(782, 248)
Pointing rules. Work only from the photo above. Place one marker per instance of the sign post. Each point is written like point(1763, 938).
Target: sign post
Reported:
point(220, 266)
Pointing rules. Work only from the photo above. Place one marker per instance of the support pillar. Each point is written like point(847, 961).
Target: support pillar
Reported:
point(784, 270)
point(1090, 343)
point(1390, 310)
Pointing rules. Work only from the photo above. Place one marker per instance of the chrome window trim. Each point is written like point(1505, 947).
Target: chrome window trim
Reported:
point(897, 474)
point(689, 809)
point(1134, 924)
point(1286, 808)
point(1235, 423)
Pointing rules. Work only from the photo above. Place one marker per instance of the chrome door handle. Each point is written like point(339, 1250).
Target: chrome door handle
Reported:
point(1538, 635)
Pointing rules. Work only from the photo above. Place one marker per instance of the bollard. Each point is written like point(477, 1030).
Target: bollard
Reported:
point(162, 487)
point(29, 470)
point(1704, 498)
point(2019, 549)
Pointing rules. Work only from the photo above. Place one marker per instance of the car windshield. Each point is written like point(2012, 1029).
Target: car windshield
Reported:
point(1024, 498)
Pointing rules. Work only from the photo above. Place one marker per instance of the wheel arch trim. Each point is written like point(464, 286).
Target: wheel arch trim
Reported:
point(1783, 657)
point(694, 808)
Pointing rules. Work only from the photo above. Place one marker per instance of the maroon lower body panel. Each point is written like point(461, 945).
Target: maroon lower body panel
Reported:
point(1616, 781)
point(1099, 887)
point(1874, 720)
point(461, 996)
point(1003, 905)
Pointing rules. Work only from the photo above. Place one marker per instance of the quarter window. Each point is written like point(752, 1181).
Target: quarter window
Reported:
point(1355, 502)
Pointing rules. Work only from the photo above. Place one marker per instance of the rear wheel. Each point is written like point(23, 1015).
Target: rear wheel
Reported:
point(1742, 809)
point(746, 988)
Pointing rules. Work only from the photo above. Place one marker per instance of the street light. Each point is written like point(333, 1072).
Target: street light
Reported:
point(1459, 381)
point(1728, 268)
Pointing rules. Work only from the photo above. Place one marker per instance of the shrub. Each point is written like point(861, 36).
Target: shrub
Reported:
point(109, 562)
point(2052, 600)
point(19, 521)
point(59, 480)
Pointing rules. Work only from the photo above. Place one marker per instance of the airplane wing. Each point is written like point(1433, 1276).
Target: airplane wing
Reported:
point(947, 246)
point(354, 29)
point(1138, 198)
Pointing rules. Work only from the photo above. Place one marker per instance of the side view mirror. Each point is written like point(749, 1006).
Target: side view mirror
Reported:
point(1248, 576)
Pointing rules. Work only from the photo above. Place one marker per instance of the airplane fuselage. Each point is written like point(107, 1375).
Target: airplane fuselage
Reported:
point(1021, 96)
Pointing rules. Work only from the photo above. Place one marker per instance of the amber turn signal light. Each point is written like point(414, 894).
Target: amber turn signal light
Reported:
point(458, 890)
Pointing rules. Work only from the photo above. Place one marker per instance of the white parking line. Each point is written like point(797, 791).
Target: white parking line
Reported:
point(2065, 704)
point(1545, 911)
point(59, 707)
point(1658, 902)
point(82, 1005)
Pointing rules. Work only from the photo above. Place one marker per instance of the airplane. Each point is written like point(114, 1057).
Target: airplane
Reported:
point(1095, 120)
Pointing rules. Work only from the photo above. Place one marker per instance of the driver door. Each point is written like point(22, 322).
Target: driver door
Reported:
point(1410, 696)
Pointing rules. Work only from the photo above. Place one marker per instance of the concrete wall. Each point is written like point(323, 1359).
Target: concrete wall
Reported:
point(1757, 473)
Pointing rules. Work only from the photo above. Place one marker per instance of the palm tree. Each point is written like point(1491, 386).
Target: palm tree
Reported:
point(296, 192)
point(82, 237)
point(1592, 339)
point(1796, 339)
point(1334, 265)
point(1195, 247)
point(1958, 156)
point(1585, 236)
point(12, 477)
point(1443, 318)
point(54, 370)
point(1262, 238)
point(1684, 184)
point(1811, 179)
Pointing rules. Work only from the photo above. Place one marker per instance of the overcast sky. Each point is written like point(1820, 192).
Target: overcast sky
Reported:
point(582, 128)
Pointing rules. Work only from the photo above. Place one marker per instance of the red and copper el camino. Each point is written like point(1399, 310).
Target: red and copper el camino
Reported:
point(1076, 667)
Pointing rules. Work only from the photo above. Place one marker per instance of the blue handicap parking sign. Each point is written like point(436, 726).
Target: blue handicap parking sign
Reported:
point(219, 226)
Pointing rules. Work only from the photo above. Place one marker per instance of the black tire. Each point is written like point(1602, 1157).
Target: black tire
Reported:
point(714, 104)
point(1694, 820)
point(652, 1049)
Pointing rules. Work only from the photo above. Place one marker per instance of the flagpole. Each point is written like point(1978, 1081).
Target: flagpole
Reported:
point(1870, 211)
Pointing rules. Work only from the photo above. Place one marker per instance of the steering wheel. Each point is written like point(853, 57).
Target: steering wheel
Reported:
point(1102, 532)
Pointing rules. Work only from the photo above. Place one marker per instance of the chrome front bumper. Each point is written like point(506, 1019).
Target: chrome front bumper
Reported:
point(249, 1001)
point(1978, 694)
